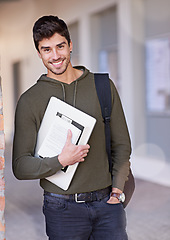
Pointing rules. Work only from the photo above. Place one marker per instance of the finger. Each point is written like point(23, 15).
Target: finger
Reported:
point(82, 160)
point(83, 154)
point(69, 136)
point(87, 146)
point(84, 147)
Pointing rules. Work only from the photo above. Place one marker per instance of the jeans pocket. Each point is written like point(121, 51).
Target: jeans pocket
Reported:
point(115, 211)
point(54, 203)
point(104, 200)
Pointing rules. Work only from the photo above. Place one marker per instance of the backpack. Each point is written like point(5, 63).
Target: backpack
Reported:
point(104, 94)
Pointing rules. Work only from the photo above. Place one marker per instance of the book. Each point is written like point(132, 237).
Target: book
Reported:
point(59, 117)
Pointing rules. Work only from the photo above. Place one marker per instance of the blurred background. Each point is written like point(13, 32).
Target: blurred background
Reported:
point(130, 39)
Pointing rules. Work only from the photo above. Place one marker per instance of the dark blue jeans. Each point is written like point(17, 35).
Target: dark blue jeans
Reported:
point(98, 220)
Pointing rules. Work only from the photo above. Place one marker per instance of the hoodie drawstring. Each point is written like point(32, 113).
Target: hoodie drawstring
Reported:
point(75, 93)
point(64, 92)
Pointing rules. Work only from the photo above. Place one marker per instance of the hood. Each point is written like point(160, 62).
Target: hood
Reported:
point(44, 78)
point(47, 79)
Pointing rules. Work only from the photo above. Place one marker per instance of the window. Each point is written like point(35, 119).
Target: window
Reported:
point(104, 43)
point(73, 28)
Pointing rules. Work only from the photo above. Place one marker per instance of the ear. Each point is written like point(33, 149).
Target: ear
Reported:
point(71, 46)
point(39, 54)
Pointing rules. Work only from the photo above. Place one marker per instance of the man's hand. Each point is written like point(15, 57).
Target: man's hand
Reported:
point(114, 200)
point(72, 153)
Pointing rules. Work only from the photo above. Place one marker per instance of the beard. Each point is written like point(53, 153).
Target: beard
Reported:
point(59, 70)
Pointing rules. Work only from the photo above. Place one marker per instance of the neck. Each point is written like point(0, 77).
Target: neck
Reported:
point(69, 76)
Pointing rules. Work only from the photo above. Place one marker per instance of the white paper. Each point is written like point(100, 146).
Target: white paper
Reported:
point(56, 137)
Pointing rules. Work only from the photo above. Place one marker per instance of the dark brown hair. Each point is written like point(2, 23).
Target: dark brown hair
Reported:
point(47, 26)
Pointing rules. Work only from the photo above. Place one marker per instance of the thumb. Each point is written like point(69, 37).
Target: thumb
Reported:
point(69, 136)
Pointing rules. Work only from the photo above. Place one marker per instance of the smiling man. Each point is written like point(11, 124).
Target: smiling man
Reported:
point(91, 207)
point(55, 54)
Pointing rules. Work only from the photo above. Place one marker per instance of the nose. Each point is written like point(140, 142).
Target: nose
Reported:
point(55, 54)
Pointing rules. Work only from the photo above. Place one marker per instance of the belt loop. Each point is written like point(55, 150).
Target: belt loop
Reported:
point(91, 196)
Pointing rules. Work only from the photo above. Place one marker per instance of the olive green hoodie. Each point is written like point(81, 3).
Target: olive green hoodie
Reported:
point(93, 173)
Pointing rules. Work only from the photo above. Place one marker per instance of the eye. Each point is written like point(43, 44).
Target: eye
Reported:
point(60, 46)
point(46, 50)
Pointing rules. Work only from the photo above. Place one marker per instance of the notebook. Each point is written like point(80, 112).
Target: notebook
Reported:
point(58, 118)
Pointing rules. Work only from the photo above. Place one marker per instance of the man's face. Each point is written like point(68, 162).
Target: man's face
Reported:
point(55, 54)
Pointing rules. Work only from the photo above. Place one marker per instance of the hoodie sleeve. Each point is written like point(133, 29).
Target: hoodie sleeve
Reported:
point(120, 144)
point(25, 165)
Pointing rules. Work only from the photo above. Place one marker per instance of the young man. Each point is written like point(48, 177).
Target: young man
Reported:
point(101, 215)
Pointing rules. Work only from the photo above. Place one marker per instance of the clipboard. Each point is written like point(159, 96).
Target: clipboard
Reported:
point(58, 118)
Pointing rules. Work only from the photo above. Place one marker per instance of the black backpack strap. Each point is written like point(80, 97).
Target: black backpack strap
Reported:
point(104, 95)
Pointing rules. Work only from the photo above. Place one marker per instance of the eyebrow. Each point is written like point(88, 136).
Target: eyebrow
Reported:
point(59, 44)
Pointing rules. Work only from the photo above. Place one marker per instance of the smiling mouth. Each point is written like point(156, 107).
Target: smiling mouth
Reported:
point(56, 64)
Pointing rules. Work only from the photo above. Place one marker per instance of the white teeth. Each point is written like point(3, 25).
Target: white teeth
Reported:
point(57, 63)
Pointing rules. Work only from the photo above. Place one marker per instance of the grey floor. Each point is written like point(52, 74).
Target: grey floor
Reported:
point(148, 214)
